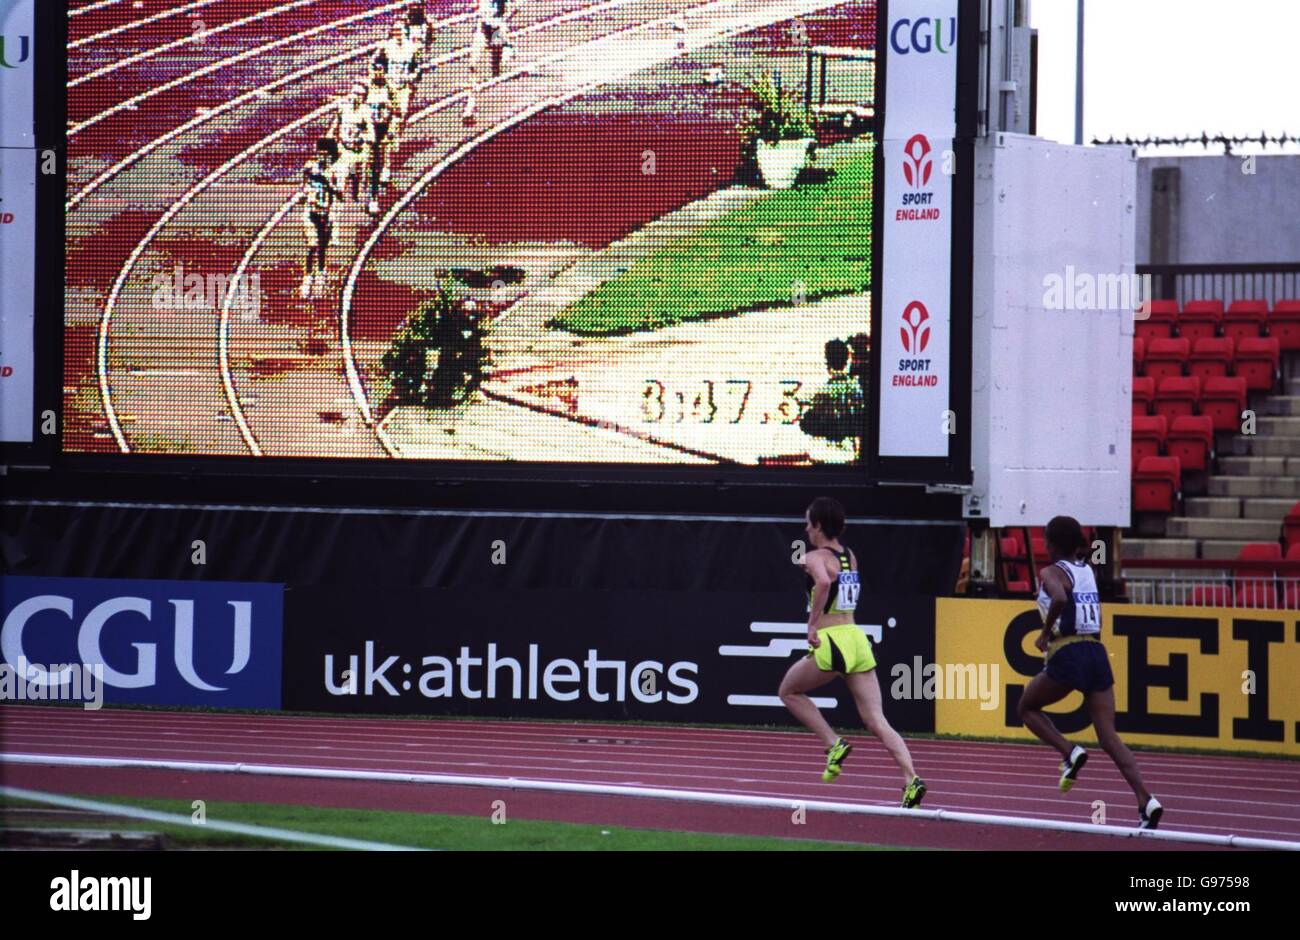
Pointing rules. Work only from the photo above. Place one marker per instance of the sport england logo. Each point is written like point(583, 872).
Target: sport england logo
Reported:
point(916, 335)
point(917, 203)
point(919, 164)
point(915, 372)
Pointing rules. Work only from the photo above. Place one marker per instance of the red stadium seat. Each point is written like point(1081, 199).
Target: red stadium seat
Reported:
point(1157, 485)
point(1159, 323)
point(1038, 542)
point(1148, 436)
point(1177, 396)
point(1144, 393)
point(1191, 440)
point(1224, 400)
point(1139, 354)
point(1200, 319)
point(1166, 357)
point(1211, 358)
point(1245, 318)
point(1291, 530)
point(1015, 571)
point(1211, 595)
point(1284, 324)
point(1258, 361)
point(1291, 592)
point(1257, 588)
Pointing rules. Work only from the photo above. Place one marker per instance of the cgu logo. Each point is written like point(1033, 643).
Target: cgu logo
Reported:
point(24, 51)
point(922, 35)
point(919, 164)
point(92, 626)
point(915, 339)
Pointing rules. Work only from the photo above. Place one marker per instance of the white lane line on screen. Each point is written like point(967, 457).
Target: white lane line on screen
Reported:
point(185, 41)
point(132, 103)
point(93, 7)
point(135, 24)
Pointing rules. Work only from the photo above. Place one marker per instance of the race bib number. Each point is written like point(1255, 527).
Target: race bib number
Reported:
point(849, 588)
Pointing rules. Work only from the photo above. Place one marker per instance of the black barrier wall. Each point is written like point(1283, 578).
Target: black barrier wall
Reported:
point(562, 616)
point(391, 548)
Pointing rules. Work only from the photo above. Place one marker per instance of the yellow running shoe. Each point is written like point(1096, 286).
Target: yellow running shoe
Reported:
point(835, 755)
point(913, 793)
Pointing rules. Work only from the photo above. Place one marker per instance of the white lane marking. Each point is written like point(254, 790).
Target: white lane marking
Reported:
point(245, 829)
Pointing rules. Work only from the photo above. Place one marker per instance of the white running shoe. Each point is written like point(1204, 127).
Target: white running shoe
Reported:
point(373, 208)
point(1150, 814)
point(385, 176)
point(305, 290)
point(1070, 768)
point(318, 284)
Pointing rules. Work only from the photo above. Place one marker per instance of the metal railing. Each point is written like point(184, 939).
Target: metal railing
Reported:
point(1226, 282)
point(1259, 585)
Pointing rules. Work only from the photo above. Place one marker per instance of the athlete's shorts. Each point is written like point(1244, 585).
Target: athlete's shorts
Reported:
point(350, 161)
point(845, 649)
point(1081, 664)
point(489, 50)
point(402, 101)
point(318, 226)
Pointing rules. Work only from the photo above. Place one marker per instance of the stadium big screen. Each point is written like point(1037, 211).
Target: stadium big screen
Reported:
point(608, 233)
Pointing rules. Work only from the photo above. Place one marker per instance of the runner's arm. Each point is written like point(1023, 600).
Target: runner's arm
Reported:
point(815, 565)
point(1058, 589)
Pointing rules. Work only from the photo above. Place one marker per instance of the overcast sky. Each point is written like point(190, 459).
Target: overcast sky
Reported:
point(1171, 68)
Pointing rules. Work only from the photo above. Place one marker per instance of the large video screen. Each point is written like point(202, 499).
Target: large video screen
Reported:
point(618, 232)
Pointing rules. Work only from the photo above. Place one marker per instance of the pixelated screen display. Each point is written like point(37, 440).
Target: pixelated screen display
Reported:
point(619, 232)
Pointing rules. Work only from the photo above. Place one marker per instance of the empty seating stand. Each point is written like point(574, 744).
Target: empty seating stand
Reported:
point(1200, 319)
point(1245, 318)
point(1166, 357)
point(1144, 393)
point(1157, 485)
point(1223, 400)
point(1159, 323)
point(1284, 324)
point(1177, 396)
point(1256, 588)
point(1258, 361)
point(1211, 357)
point(1291, 530)
point(1148, 437)
point(1191, 440)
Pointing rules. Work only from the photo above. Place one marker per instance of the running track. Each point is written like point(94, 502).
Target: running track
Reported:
point(1202, 794)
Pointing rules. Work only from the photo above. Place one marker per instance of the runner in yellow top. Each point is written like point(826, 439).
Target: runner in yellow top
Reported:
point(838, 647)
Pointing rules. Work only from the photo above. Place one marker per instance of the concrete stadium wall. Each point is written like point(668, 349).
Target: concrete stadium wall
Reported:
point(1220, 214)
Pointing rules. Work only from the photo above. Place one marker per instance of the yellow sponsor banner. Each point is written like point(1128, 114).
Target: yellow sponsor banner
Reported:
point(1207, 677)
